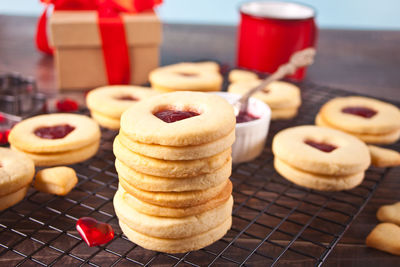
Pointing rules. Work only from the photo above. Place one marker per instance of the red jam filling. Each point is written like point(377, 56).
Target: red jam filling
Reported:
point(360, 111)
point(127, 98)
point(169, 115)
point(325, 147)
point(54, 132)
point(245, 117)
point(187, 74)
point(94, 233)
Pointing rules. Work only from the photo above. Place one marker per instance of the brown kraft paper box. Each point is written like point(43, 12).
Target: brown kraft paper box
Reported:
point(79, 62)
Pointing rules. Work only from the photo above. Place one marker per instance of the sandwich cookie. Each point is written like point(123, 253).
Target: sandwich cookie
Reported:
point(107, 103)
point(320, 158)
point(371, 120)
point(203, 76)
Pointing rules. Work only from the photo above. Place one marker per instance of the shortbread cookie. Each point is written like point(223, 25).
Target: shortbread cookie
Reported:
point(163, 227)
point(361, 115)
point(278, 94)
point(104, 121)
point(52, 133)
point(179, 152)
point(317, 181)
point(169, 168)
point(180, 245)
point(283, 113)
point(383, 157)
point(385, 237)
point(241, 75)
point(113, 100)
point(163, 184)
point(16, 171)
point(159, 211)
point(62, 158)
point(200, 118)
point(186, 76)
point(176, 199)
point(13, 198)
point(389, 213)
point(57, 180)
point(387, 138)
point(321, 150)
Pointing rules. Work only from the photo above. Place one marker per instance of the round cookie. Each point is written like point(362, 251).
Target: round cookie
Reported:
point(179, 153)
point(317, 181)
point(16, 171)
point(216, 119)
point(241, 75)
point(13, 198)
point(159, 211)
point(283, 113)
point(374, 116)
point(278, 94)
point(180, 245)
point(388, 138)
point(186, 76)
point(163, 184)
point(163, 227)
point(113, 100)
point(62, 158)
point(348, 155)
point(176, 199)
point(75, 131)
point(104, 121)
point(170, 168)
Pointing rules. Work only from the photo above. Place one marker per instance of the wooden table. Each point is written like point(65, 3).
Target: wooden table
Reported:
point(358, 61)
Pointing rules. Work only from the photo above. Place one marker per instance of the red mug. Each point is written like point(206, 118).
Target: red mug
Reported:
point(270, 32)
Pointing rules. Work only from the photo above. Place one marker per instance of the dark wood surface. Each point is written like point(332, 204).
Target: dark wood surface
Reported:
point(358, 61)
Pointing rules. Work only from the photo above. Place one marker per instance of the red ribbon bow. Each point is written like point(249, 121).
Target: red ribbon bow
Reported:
point(115, 48)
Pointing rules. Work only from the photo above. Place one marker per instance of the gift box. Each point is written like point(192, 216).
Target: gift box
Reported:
point(79, 49)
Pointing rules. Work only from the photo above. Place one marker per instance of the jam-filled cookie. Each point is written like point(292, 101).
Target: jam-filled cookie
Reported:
point(282, 97)
point(16, 174)
point(179, 119)
point(203, 76)
point(56, 139)
point(320, 158)
point(241, 75)
point(371, 120)
point(107, 103)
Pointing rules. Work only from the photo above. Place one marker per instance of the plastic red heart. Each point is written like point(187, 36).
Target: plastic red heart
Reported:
point(67, 105)
point(94, 233)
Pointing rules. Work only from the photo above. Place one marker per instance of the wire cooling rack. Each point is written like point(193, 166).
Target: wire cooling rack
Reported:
point(274, 221)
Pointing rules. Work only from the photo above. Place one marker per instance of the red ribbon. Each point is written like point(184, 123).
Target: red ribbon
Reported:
point(111, 26)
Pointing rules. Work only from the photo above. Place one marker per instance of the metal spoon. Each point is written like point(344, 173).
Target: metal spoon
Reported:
point(299, 59)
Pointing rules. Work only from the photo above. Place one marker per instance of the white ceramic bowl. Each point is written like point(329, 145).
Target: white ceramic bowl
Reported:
point(250, 136)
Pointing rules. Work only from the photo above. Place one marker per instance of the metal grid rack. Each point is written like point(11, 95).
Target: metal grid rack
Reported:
point(274, 221)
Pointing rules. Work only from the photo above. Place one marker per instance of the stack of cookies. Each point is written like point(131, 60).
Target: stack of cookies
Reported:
point(173, 158)
point(107, 103)
point(282, 97)
point(371, 120)
point(56, 139)
point(201, 76)
point(320, 158)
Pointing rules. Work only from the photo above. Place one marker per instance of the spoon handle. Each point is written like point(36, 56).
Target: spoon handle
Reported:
point(299, 59)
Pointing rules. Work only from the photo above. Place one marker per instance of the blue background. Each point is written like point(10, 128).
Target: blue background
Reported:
point(354, 14)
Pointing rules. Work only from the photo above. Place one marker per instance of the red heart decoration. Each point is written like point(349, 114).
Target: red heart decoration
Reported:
point(67, 105)
point(94, 233)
